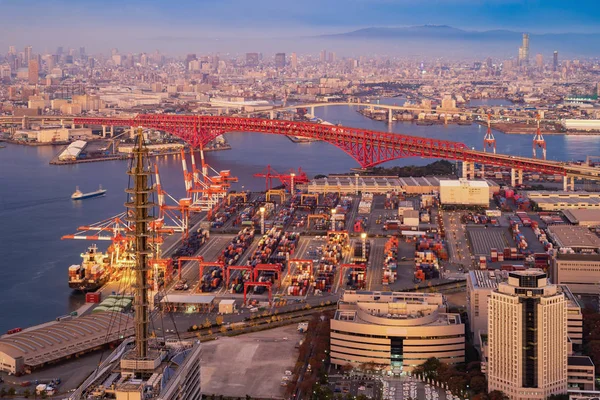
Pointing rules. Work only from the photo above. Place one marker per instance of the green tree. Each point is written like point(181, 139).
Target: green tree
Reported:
point(478, 384)
point(2, 392)
point(26, 393)
point(497, 395)
point(12, 391)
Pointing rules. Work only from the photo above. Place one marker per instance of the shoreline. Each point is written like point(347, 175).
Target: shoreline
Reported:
point(115, 157)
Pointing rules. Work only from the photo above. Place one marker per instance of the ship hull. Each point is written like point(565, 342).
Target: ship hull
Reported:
point(88, 286)
point(89, 195)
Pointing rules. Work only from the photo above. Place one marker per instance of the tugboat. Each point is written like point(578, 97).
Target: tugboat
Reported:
point(78, 195)
point(91, 274)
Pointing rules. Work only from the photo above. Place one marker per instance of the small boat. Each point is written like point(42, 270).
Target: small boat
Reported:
point(78, 195)
point(2, 146)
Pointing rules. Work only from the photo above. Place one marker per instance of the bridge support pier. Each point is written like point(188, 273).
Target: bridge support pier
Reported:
point(103, 131)
point(390, 116)
point(112, 131)
point(468, 170)
point(312, 111)
point(272, 114)
point(569, 183)
point(516, 177)
point(132, 133)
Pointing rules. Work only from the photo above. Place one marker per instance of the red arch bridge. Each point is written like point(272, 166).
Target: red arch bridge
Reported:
point(367, 147)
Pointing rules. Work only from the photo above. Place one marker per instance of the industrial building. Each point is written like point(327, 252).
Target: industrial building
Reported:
point(582, 124)
point(558, 201)
point(464, 192)
point(576, 262)
point(527, 337)
point(394, 330)
point(346, 184)
point(53, 135)
point(583, 217)
point(54, 342)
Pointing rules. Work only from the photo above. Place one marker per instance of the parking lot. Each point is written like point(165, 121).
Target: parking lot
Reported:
point(252, 364)
point(484, 239)
point(408, 388)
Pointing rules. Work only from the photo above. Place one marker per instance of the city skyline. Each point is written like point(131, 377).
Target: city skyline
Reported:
point(145, 26)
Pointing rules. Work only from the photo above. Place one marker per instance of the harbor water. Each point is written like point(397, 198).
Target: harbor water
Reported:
point(36, 209)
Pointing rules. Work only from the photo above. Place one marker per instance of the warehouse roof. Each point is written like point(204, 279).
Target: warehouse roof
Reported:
point(188, 299)
point(575, 237)
point(53, 342)
point(583, 216)
point(465, 182)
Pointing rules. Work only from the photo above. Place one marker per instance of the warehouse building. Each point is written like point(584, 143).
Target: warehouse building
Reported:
point(395, 331)
point(347, 184)
point(576, 262)
point(50, 343)
point(464, 192)
point(583, 217)
point(558, 201)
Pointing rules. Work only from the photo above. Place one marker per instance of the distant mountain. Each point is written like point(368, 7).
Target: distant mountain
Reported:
point(572, 43)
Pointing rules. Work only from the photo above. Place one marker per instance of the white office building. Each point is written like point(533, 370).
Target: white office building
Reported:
point(527, 337)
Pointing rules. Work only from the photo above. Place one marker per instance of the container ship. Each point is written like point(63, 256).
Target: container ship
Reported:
point(78, 195)
point(92, 273)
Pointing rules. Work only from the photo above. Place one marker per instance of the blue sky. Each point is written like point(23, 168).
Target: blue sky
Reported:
point(110, 23)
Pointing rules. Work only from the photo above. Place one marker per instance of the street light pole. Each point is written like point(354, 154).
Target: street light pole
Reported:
point(363, 236)
point(262, 220)
point(333, 219)
point(292, 175)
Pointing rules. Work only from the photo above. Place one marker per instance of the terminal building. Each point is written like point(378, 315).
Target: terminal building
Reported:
point(56, 341)
point(576, 260)
point(583, 217)
point(395, 331)
point(347, 184)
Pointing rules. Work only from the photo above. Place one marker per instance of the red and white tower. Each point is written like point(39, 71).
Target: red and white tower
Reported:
point(489, 140)
point(538, 140)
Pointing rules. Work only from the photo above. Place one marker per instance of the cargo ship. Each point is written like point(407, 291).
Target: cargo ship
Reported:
point(78, 195)
point(92, 273)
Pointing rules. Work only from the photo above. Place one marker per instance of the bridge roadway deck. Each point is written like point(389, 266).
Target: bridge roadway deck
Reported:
point(368, 148)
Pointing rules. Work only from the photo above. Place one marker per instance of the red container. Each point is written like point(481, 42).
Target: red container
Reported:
point(93, 297)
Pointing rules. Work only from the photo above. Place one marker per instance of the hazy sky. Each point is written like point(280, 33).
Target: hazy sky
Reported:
point(134, 25)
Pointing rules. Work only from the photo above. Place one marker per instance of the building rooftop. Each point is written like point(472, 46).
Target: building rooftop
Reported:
point(583, 216)
point(464, 182)
point(53, 342)
point(487, 279)
point(580, 361)
point(574, 237)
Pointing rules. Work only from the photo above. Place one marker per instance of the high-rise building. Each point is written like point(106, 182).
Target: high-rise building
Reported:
point(294, 61)
point(12, 50)
point(59, 51)
point(27, 54)
point(280, 60)
point(81, 51)
point(524, 50)
point(252, 59)
point(34, 71)
point(527, 345)
point(323, 56)
point(555, 62)
point(331, 57)
point(539, 61)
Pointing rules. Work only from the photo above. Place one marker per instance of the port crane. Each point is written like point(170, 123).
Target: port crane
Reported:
point(115, 229)
point(288, 180)
point(206, 192)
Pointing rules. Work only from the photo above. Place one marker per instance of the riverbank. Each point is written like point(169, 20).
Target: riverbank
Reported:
point(519, 128)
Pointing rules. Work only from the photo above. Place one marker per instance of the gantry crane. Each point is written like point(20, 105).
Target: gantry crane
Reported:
point(206, 192)
point(115, 229)
point(288, 180)
point(177, 214)
point(268, 285)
